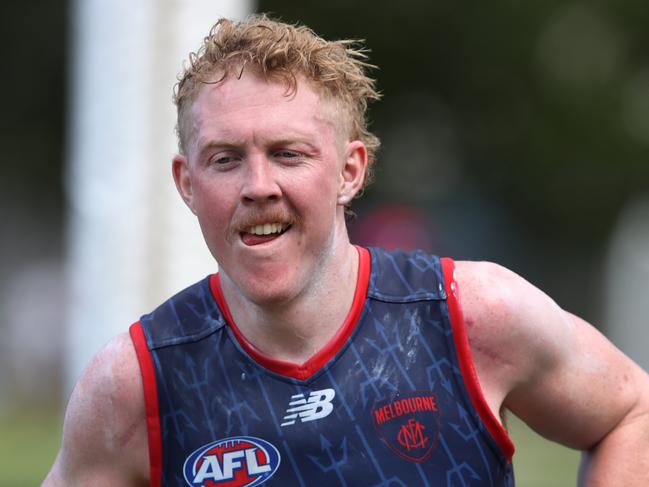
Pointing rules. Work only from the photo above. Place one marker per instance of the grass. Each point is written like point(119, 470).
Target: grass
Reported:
point(29, 441)
point(540, 463)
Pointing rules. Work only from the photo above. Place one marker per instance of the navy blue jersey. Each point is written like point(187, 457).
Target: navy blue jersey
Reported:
point(391, 400)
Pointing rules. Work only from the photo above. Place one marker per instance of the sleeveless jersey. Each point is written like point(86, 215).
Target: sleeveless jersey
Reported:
point(391, 400)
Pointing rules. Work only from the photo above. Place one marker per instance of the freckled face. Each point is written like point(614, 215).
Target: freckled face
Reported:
point(263, 174)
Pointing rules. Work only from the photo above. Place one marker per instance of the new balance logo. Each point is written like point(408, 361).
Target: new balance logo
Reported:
point(317, 406)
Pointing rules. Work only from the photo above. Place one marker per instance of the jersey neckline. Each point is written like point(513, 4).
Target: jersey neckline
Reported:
point(328, 351)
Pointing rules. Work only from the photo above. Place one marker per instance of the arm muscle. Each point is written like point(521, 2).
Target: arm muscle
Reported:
point(557, 373)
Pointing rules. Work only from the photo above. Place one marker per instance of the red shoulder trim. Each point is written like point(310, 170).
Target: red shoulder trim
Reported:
point(461, 340)
point(315, 363)
point(150, 402)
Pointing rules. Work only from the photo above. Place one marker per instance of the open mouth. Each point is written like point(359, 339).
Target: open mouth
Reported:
point(262, 233)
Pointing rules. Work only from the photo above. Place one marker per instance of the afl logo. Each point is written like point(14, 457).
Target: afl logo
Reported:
point(239, 461)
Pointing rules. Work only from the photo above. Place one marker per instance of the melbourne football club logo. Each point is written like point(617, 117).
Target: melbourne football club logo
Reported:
point(409, 424)
point(239, 461)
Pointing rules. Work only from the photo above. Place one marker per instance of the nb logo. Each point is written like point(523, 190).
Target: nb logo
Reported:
point(317, 406)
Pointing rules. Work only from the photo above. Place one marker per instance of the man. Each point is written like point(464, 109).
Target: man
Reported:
point(309, 361)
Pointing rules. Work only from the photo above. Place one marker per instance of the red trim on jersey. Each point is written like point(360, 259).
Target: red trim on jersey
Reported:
point(150, 402)
point(495, 428)
point(317, 361)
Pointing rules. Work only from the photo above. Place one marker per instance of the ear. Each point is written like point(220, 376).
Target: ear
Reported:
point(180, 171)
point(352, 174)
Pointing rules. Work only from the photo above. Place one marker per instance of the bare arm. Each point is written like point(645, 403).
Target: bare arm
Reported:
point(104, 433)
point(557, 373)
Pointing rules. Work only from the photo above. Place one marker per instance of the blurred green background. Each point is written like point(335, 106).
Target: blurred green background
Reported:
point(518, 130)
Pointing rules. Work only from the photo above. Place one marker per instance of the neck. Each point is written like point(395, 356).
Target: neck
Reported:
point(296, 329)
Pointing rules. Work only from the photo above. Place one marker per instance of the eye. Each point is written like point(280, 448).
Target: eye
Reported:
point(224, 158)
point(288, 155)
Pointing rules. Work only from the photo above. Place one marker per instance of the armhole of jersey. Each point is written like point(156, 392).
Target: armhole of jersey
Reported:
point(465, 358)
point(150, 403)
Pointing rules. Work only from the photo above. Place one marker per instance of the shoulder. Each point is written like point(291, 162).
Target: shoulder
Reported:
point(496, 300)
point(110, 388)
point(515, 330)
point(104, 433)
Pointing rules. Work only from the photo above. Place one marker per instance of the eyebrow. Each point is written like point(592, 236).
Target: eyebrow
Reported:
point(295, 140)
point(225, 140)
point(205, 144)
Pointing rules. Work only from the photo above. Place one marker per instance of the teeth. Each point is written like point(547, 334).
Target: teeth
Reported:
point(267, 228)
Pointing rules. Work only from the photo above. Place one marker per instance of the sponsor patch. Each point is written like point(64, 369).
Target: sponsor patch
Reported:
point(409, 424)
point(239, 461)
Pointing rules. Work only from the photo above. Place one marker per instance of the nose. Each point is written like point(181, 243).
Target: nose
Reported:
point(260, 184)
